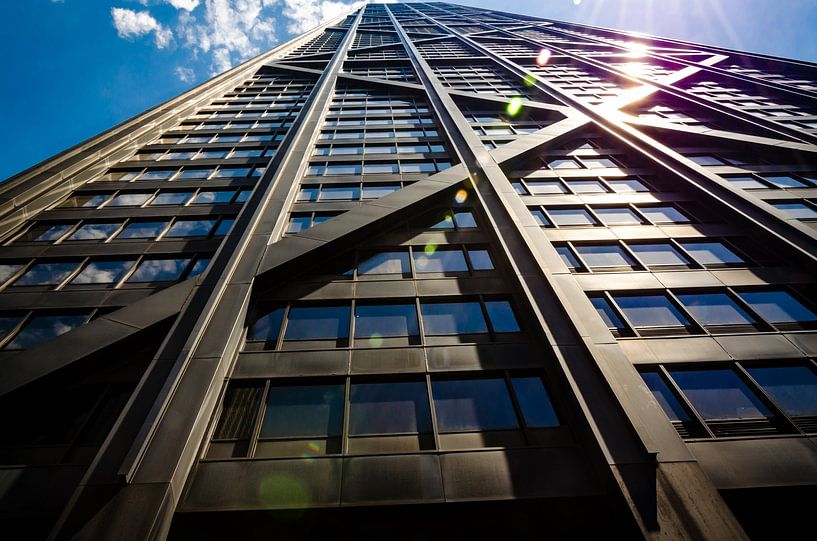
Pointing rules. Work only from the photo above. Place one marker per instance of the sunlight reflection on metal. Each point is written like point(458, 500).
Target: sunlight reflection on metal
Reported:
point(637, 50)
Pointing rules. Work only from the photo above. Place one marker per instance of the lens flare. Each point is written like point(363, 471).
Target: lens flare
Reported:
point(430, 248)
point(543, 58)
point(529, 80)
point(461, 196)
point(637, 50)
point(514, 106)
point(376, 340)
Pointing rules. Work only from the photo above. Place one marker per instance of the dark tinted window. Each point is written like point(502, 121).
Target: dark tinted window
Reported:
point(453, 318)
point(719, 394)
point(303, 411)
point(46, 274)
point(385, 320)
point(384, 263)
point(715, 309)
point(534, 401)
point(317, 322)
point(665, 397)
point(387, 408)
point(103, 272)
point(440, 260)
point(501, 315)
point(793, 388)
point(777, 306)
point(159, 270)
point(475, 404)
point(42, 328)
point(268, 326)
point(650, 311)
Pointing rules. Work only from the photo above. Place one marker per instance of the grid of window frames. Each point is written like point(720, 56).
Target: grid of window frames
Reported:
point(723, 310)
point(495, 127)
point(357, 415)
point(731, 400)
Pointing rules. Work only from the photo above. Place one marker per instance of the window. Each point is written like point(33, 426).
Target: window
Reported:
point(793, 388)
point(711, 253)
point(171, 198)
point(41, 232)
point(95, 231)
point(659, 254)
point(268, 326)
point(473, 404)
point(129, 200)
point(563, 217)
point(719, 394)
point(664, 215)
point(385, 263)
point(317, 323)
point(221, 197)
point(159, 270)
point(42, 274)
point(377, 191)
point(7, 270)
point(190, 228)
point(586, 186)
point(537, 411)
point(480, 259)
point(778, 307)
point(501, 316)
point(449, 318)
point(142, 230)
point(785, 181)
point(800, 211)
point(303, 411)
point(45, 327)
point(712, 309)
point(569, 258)
point(103, 272)
point(627, 185)
point(665, 397)
point(340, 193)
point(84, 201)
point(440, 260)
point(746, 183)
point(389, 408)
point(618, 216)
point(373, 322)
point(605, 256)
point(646, 311)
point(608, 315)
point(546, 187)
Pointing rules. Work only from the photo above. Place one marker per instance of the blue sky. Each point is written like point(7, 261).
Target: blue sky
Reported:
point(74, 68)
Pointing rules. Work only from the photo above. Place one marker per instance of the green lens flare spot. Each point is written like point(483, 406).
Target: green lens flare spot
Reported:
point(529, 80)
point(514, 106)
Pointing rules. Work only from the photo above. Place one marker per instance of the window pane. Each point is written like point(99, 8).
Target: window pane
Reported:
point(625, 185)
point(94, 232)
point(538, 188)
point(746, 183)
point(607, 313)
point(42, 274)
point(715, 309)
point(453, 318)
point(129, 200)
point(42, 328)
point(797, 210)
point(650, 311)
point(568, 257)
point(664, 215)
point(388, 408)
point(190, 228)
point(385, 263)
point(103, 272)
point(267, 327)
point(142, 230)
point(502, 317)
point(7, 270)
point(298, 224)
point(303, 411)
point(379, 168)
point(339, 193)
point(785, 181)
point(198, 267)
point(480, 259)
point(793, 388)
point(441, 260)
point(375, 192)
point(605, 256)
point(385, 320)
point(213, 198)
point(658, 254)
point(665, 397)
point(159, 270)
point(711, 253)
point(476, 404)
point(618, 216)
point(586, 186)
point(719, 394)
point(534, 402)
point(317, 322)
point(464, 219)
point(46, 232)
point(777, 306)
point(343, 169)
point(567, 217)
point(171, 198)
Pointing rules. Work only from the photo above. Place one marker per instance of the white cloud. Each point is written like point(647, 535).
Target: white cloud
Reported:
point(307, 14)
point(185, 75)
point(188, 5)
point(134, 24)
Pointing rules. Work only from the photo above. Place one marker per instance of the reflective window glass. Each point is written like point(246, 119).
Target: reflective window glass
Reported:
point(94, 231)
point(268, 326)
point(777, 306)
point(171, 198)
point(502, 317)
point(785, 181)
point(129, 200)
point(480, 259)
point(446, 318)
point(440, 260)
point(190, 228)
point(793, 388)
point(650, 311)
point(711, 253)
point(665, 397)
point(384, 263)
point(473, 404)
point(567, 217)
point(719, 394)
point(664, 215)
point(317, 322)
point(618, 216)
point(715, 309)
point(7, 270)
point(103, 272)
point(42, 328)
point(545, 187)
point(658, 254)
point(797, 210)
point(213, 197)
point(625, 185)
point(376, 321)
point(142, 230)
point(389, 408)
point(303, 411)
point(534, 402)
point(375, 192)
point(159, 270)
point(336, 193)
point(41, 274)
point(611, 255)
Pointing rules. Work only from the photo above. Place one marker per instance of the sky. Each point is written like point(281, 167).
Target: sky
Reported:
point(74, 68)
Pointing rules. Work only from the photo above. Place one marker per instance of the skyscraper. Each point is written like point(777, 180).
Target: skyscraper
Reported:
point(426, 270)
